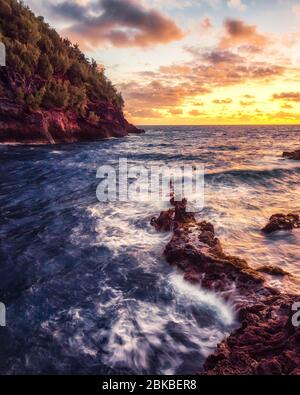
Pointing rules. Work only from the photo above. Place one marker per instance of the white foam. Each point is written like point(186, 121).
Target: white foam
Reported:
point(197, 295)
point(118, 228)
point(144, 331)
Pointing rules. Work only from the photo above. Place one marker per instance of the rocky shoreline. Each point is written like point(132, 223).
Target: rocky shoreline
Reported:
point(59, 126)
point(266, 342)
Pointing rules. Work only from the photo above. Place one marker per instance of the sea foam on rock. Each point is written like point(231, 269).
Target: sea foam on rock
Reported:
point(266, 341)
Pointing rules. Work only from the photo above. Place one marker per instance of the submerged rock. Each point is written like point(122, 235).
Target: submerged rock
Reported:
point(266, 341)
point(282, 222)
point(273, 270)
point(294, 155)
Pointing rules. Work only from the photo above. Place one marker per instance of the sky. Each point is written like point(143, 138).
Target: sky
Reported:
point(191, 62)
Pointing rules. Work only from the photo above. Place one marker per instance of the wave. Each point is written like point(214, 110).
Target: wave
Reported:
point(253, 174)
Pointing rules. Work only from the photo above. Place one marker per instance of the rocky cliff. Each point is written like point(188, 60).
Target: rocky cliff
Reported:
point(60, 126)
point(50, 92)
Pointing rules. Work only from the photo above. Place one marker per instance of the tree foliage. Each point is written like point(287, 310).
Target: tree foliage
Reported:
point(46, 71)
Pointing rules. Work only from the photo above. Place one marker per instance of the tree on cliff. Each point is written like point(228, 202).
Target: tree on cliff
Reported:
point(45, 71)
point(45, 68)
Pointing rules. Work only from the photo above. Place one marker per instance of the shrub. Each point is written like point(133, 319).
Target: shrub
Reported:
point(77, 98)
point(56, 95)
point(45, 68)
point(34, 100)
point(20, 96)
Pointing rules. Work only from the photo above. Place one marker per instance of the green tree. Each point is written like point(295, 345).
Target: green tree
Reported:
point(60, 63)
point(36, 52)
point(45, 68)
point(34, 100)
point(77, 98)
point(56, 95)
point(45, 44)
point(20, 96)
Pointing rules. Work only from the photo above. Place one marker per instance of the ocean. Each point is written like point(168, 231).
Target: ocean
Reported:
point(85, 283)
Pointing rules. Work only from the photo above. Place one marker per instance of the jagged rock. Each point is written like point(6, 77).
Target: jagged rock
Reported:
point(164, 221)
point(282, 222)
point(266, 341)
point(294, 155)
point(59, 126)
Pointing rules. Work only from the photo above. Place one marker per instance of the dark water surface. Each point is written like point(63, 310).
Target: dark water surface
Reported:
point(85, 284)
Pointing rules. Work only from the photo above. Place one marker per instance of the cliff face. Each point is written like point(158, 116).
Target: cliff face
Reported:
point(60, 126)
point(49, 91)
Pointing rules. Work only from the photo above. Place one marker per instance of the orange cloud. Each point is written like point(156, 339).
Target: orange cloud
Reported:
point(246, 103)
point(175, 111)
point(222, 101)
point(195, 113)
point(238, 33)
point(288, 96)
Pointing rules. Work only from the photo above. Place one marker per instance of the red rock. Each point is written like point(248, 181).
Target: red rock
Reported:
point(266, 341)
point(164, 222)
point(59, 126)
point(294, 155)
point(269, 367)
point(282, 222)
point(273, 270)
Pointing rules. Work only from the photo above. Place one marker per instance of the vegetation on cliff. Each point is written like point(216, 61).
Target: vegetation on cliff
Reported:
point(45, 71)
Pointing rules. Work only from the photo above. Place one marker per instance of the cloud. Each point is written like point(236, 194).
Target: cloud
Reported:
point(187, 83)
point(147, 113)
point(222, 68)
point(238, 32)
point(288, 96)
point(122, 23)
point(216, 56)
point(194, 113)
point(296, 9)
point(287, 106)
point(159, 94)
point(222, 101)
point(175, 111)
point(245, 103)
point(70, 10)
point(177, 69)
point(206, 23)
point(238, 4)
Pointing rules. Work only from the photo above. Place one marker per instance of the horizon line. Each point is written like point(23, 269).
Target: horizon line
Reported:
point(214, 125)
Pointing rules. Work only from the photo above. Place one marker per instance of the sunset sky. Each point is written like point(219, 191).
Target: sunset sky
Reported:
point(191, 61)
